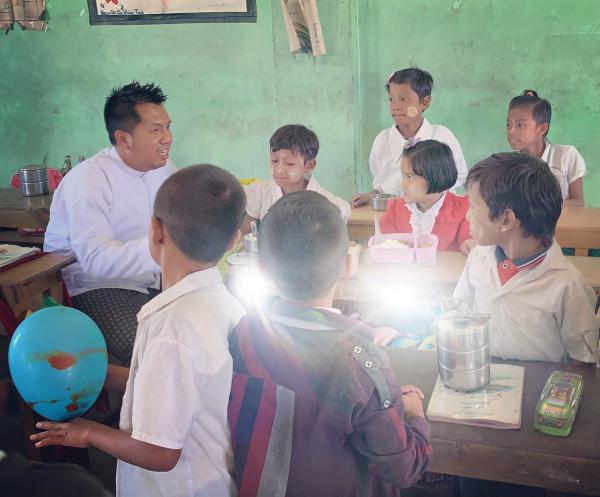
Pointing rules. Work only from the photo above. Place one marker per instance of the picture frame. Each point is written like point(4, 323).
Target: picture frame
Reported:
point(128, 12)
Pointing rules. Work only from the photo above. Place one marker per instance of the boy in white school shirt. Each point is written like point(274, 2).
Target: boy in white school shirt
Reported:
point(101, 211)
point(409, 92)
point(293, 158)
point(541, 308)
point(173, 438)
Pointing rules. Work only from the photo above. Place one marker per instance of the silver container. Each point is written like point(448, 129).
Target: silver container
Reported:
point(33, 174)
point(463, 332)
point(463, 350)
point(34, 189)
point(463, 361)
point(379, 201)
point(250, 243)
point(465, 381)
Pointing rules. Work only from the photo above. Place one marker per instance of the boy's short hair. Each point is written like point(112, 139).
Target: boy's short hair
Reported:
point(302, 243)
point(297, 138)
point(420, 81)
point(201, 207)
point(120, 107)
point(434, 161)
point(540, 107)
point(524, 184)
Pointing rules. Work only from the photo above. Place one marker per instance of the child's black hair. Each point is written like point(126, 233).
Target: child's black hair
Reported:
point(540, 107)
point(302, 244)
point(434, 161)
point(201, 207)
point(420, 81)
point(297, 138)
point(524, 184)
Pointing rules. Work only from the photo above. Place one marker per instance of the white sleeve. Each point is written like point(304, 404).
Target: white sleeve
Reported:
point(92, 240)
point(574, 165)
point(579, 326)
point(343, 206)
point(254, 200)
point(374, 164)
point(464, 289)
point(167, 394)
point(459, 158)
point(340, 203)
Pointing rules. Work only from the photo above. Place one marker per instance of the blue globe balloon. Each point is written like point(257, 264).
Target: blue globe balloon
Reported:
point(57, 359)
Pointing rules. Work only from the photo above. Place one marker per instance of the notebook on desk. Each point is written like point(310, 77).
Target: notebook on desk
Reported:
point(11, 253)
point(498, 405)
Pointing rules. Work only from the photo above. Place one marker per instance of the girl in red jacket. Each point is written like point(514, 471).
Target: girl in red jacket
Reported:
point(428, 171)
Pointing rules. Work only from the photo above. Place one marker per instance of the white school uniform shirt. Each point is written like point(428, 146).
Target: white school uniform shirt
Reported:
point(388, 148)
point(178, 389)
point(100, 214)
point(422, 222)
point(536, 315)
point(263, 194)
point(566, 163)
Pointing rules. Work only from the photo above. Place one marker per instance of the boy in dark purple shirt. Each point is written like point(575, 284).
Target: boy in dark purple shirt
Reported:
point(315, 408)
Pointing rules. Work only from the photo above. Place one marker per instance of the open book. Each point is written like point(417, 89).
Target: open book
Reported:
point(11, 253)
point(498, 405)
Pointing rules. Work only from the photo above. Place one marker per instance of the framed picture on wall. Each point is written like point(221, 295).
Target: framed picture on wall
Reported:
point(170, 11)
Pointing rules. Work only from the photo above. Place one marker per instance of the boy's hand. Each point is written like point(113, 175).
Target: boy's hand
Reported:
point(72, 434)
point(467, 246)
point(412, 398)
point(360, 199)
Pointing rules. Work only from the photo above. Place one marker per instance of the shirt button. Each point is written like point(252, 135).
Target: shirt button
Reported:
point(387, 404)
point(357, 349)
point(368, 364)
point(505, 266)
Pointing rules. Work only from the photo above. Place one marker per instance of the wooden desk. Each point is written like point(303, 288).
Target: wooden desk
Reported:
point(17, 211)
point(442, 276)
point(523, 456)
point(23, 287)
point(578, 227)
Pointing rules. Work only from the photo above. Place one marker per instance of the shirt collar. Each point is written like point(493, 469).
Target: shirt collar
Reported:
point(301, 316)
point(546, 153)
point(424, 132)
point(433, 211)
point(191, 283)
point(508, 268)
point(124, 167)
point(313, 185)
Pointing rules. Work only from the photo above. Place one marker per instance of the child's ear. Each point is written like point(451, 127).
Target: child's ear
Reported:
point(157, 233)
point(310, 165)
point(425, 101)
point(509, 220)
point(543, 129)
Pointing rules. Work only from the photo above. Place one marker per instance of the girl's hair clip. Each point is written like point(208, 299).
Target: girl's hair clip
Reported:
point(411, 143)
point(391, 76)
point(530, 93)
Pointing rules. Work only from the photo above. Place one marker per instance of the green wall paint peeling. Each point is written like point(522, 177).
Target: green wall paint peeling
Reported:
point(232, 85)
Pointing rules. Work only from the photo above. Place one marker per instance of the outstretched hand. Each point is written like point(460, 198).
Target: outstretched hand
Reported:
point(72, 434)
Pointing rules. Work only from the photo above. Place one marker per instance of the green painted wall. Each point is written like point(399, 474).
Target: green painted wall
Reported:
point(481, 53)
point(232, 85)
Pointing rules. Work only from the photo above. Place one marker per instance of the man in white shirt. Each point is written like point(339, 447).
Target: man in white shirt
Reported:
point(101, 211)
